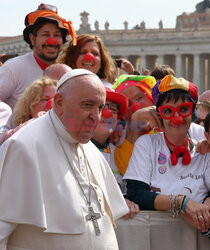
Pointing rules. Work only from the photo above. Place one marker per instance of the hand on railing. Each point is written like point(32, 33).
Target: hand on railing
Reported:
point(133, 209)
point(198, 215)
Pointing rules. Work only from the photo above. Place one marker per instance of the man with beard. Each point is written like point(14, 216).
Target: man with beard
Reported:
point(45, 32)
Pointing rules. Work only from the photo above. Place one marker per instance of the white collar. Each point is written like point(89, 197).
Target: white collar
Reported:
point(60, 128)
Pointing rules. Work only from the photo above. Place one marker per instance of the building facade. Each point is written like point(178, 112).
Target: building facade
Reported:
point(186, 48)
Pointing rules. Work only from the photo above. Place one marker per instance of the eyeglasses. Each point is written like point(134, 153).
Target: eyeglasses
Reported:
point(114, 107)
point(184, 109)
point(139, 97)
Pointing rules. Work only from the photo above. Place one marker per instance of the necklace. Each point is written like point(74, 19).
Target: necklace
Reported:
point(92, 216)
point(179, 150)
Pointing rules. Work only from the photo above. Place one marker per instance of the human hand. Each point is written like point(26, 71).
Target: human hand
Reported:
point(145, 72)
point(12, 131)
point(133, 209)
point(116, 135)
point(198, 215)
point(148, 116)
point(143, 121)
point(127, 66)
point(203, 147)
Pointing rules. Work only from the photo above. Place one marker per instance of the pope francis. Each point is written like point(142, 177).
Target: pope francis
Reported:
point(57, 191)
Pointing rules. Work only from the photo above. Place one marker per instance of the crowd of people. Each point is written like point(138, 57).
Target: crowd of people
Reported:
point(82, 146)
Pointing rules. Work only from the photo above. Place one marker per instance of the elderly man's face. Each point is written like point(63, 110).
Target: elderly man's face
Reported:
point(81, 107)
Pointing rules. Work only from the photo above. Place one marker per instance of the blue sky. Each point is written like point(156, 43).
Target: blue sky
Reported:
point(116, 12)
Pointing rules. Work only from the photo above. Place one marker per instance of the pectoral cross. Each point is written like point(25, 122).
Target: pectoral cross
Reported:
point(94, 217)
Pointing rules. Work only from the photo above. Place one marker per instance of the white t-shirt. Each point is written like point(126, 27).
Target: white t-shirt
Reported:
point(196, 132)
point(150, 163)
point(16, 75)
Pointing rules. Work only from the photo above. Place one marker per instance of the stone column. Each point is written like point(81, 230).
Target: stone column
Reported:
point(196, 71)
point(178, 70)
point(126, 57)
point(142, 62)
point(160, 60)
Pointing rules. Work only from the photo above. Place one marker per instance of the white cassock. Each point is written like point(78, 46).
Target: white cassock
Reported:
point(41, 198)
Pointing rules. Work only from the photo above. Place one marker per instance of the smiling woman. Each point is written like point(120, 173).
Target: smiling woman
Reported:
point(91, 54)
point(34, 102)
point(165, 172)
point(37, 97)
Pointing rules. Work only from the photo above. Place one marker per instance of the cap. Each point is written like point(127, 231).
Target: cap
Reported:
point(170, 82)
point(145, 83)
point(73, 73)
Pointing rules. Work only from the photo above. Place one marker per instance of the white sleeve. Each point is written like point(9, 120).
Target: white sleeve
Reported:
point(140, 164)
point(7, 83)
point(6, 228)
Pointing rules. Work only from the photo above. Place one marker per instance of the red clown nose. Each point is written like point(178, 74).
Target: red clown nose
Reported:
point(51, 41)
point(135, 106)
point(49, 104)
point(89, 57)
point(106, 113)
point(177, 120)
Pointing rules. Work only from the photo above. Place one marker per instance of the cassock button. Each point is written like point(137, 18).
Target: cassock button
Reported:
point(99, 200)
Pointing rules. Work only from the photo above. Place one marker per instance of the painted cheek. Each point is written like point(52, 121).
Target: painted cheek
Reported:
point(79, 61)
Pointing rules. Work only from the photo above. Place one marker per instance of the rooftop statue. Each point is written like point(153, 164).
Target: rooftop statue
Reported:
point(160, 25)
point(106, 25)
point(96, 25)
point(84, 26)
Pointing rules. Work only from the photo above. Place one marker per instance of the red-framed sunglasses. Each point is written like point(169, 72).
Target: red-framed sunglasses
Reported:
point(184, 109)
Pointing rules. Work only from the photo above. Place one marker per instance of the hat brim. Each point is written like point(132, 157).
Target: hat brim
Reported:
point(119, 99)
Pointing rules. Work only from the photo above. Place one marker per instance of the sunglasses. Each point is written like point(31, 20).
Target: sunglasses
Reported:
point(184, 109)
